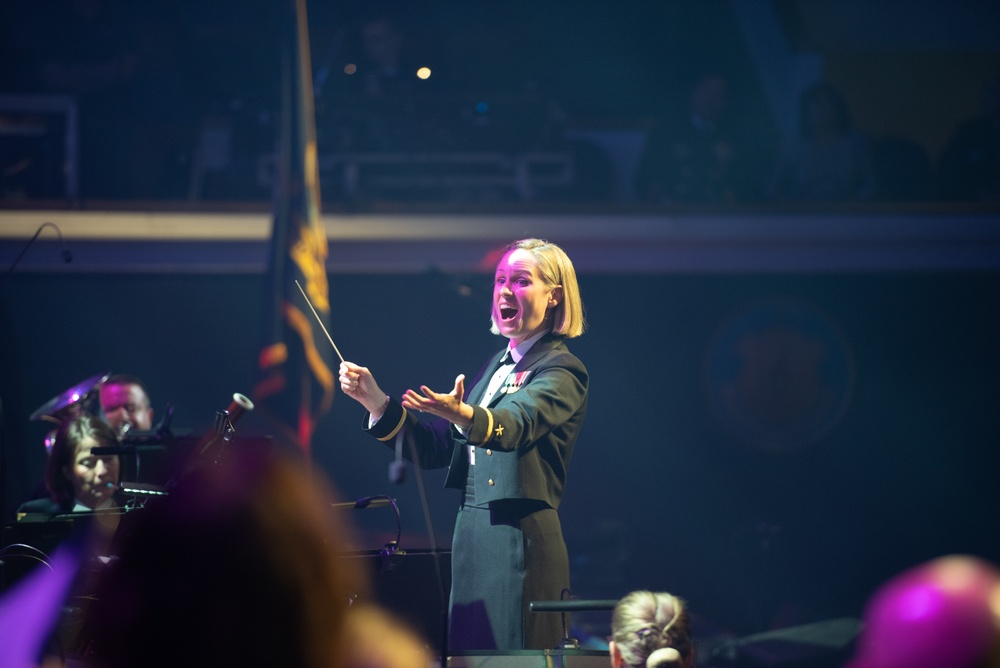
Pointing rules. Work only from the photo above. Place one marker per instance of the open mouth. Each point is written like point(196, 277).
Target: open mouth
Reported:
point(507, 312)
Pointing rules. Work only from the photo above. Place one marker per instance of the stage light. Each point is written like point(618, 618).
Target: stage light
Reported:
point(424, 73)
point(350, 68)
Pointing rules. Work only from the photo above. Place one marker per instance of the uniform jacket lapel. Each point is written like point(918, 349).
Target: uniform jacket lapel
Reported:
point(479, 389)
point(534, 355)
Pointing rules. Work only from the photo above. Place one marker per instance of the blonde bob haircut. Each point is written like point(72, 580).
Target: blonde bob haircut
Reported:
point(556, 270)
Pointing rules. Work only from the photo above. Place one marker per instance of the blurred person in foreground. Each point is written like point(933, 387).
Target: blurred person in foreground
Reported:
point(651, 630)
point(507, 442)
point(941, 614)
point(242, 564)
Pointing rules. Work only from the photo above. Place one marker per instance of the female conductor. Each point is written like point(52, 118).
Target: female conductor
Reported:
point(507, 441)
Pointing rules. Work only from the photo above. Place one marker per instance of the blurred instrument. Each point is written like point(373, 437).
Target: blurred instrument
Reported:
point(78, 400)
point(225, 426)
point(226, 420)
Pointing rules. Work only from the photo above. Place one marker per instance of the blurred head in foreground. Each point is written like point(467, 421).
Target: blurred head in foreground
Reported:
point(240, 565)
point(942, 614)
point(651, 630)
point(375, 638)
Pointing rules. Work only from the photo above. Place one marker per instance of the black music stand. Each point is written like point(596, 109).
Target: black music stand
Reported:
point(567, 606)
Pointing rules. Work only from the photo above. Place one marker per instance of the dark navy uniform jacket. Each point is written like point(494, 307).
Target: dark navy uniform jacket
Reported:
point(524, 437)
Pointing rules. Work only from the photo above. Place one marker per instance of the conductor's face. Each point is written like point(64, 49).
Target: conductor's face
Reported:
point(521, 299)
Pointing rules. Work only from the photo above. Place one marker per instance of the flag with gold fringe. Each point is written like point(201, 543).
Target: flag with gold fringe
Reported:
point(296, 363)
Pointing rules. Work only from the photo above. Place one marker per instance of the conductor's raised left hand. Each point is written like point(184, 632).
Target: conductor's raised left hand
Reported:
point(448, 406)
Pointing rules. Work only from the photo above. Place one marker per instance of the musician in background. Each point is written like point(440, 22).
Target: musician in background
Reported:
point(125, 401)
point(76, 479)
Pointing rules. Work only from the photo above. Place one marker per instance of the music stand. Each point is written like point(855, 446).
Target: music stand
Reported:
point(571, 605)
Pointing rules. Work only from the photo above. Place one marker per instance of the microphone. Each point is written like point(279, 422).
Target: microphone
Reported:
point(364, 502)
point(163, 429)
point(377, 501)
point(372, 502)
point(66, 255)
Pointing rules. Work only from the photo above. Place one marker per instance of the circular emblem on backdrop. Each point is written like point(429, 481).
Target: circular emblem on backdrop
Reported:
point(779, 375)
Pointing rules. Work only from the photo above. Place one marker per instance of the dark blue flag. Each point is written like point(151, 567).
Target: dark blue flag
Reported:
point(296, 361)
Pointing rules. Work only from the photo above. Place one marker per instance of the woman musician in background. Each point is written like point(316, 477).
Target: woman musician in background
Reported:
point(76, 479)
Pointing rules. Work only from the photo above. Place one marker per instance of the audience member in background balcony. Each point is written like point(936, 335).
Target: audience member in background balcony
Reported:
point(902, 168)
point(829, 161)
point(591, 176)
point(969, 167)
point(123, 67)
point(651, 630)
point(89, 52)
point(940, 614)
point(374, 107)
point(694, 155)
point(160, 107)
point(374, 79)
point(532, 124)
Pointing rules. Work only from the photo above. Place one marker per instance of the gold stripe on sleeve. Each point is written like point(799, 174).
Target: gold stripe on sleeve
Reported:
point(489, 427)
point(395, 431)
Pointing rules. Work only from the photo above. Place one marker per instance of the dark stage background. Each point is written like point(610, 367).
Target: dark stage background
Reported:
point(769, 447)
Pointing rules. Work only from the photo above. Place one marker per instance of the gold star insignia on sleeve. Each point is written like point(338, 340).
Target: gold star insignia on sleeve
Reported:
point(499, 430)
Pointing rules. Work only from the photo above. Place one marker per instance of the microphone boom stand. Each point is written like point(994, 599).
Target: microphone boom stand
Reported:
point(435, 552)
